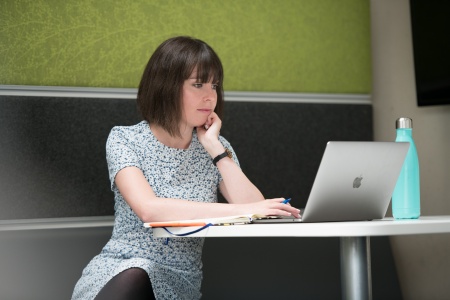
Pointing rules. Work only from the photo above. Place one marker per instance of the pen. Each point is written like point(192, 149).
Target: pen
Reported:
point(286, 201)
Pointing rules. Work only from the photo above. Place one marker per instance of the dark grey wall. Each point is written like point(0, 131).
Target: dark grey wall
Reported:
point(53, 155)
point(53, 149)
point(45, 264)
point(53, 165)
point(280, 145)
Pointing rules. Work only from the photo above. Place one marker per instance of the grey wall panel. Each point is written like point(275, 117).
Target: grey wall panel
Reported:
point(53, 149)
point(52, 155)
point(280, 145)
point(53, 165)
point(288, 268)
point(46, 264)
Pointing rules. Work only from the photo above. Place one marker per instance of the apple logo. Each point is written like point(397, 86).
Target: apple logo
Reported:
point(357, 182)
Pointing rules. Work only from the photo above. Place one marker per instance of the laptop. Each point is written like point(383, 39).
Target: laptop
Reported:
point(354, 182)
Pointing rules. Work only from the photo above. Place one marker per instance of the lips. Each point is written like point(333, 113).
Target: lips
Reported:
point(205, 110)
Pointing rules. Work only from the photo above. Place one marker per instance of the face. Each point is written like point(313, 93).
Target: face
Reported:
point(198, 102)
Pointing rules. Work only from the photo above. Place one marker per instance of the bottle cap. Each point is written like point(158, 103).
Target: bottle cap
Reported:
point(403, 123)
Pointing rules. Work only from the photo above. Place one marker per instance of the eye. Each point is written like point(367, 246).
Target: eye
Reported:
point(215, 86)
point(198, 85)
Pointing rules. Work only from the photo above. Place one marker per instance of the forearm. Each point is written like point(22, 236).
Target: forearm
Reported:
point(149, 208)
point(164, 209)
point(168, 209)
point(236, 187)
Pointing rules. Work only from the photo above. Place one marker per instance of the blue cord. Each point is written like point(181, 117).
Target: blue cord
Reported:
point(190, 232)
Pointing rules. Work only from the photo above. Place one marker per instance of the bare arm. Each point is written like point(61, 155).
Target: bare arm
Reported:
point(235, 186)
point(242, 195)
point(149, 208)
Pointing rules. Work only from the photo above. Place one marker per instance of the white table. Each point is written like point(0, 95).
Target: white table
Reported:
point(354, 239)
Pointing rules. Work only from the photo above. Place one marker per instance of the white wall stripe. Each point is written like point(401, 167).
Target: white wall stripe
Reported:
point(56, 223)
point(129, 93)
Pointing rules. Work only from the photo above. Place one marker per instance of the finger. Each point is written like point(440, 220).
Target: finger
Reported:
point(290, 209)
point(278, 200)
point(210, 119)
point(201, 129)
point(213, 115)
point(213, 118)
point(284, 213)
point(295, 213)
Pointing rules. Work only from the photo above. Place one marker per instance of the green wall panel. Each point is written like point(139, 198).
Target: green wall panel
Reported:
point(266, 45)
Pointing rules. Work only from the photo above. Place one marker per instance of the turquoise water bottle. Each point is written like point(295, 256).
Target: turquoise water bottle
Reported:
point(406, 197)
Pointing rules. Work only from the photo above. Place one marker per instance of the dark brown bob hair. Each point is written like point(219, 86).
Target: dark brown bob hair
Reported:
point(160, 89)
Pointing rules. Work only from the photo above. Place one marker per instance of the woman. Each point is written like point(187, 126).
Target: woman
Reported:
point(168, 167)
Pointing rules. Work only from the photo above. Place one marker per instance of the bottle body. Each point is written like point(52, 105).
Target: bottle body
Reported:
point(406, 196)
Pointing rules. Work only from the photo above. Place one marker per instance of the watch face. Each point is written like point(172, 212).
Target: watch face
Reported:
point(229, 154)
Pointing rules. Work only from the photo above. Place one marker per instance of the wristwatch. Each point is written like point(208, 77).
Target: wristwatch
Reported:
point(220, 156)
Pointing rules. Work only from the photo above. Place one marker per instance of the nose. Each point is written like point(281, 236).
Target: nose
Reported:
point(210, 93)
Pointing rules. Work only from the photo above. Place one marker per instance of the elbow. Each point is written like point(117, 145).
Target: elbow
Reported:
point(144, 213)
point(145, 216)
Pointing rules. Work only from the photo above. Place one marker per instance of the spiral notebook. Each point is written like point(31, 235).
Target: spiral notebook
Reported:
point(231, 220)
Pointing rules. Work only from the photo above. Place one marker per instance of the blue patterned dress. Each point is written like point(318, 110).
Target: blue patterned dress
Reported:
point(174, 266)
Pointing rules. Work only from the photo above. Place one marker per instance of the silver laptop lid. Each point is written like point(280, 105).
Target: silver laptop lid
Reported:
point(355, 181)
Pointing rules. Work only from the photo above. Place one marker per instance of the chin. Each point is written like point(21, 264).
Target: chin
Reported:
point(200, 123)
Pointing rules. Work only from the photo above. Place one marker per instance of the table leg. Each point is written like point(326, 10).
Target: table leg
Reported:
point(356, 281)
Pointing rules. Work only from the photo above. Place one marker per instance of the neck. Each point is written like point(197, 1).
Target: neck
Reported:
point(164, 137)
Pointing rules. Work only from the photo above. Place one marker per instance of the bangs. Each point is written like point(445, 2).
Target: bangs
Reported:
point(208, 66)
point(207, 72)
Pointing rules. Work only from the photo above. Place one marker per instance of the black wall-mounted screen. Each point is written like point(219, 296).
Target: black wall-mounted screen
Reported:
point(430, 22)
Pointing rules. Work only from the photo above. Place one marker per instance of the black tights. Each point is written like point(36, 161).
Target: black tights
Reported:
point(131, 284)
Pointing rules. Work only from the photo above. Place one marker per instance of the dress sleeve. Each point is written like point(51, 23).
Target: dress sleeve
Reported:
point(120, 153)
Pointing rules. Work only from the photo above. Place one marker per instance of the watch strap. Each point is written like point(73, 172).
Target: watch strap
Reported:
point(222, 155)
